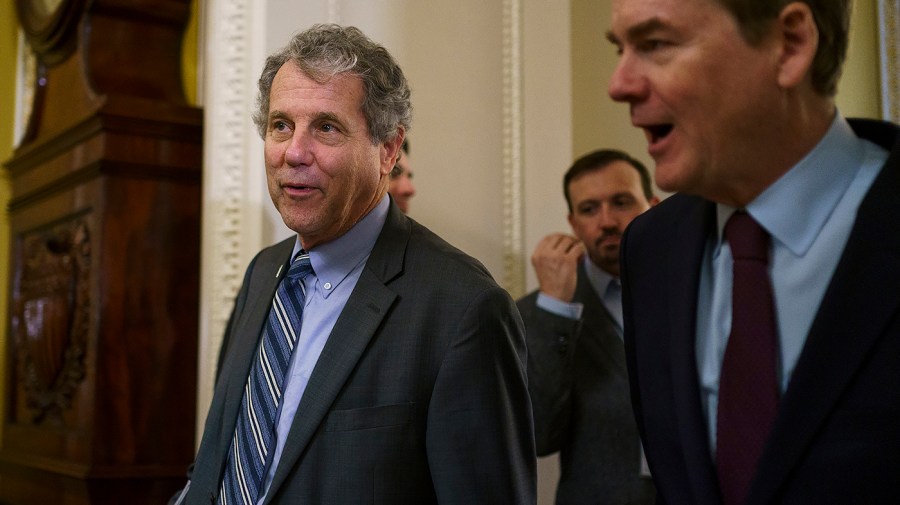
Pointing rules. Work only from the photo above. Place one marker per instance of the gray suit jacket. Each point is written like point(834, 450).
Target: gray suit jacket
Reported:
point(579, 392)
point(418, 397)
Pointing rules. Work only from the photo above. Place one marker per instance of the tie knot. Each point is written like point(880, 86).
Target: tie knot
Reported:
point(614, 288)
point(748, 240)
point(301, 266)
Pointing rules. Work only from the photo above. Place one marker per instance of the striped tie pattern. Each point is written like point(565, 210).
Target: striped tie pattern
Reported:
point(254, 435)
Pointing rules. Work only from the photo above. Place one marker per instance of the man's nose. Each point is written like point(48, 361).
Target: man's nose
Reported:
point(607, 218)
point(626, 83)
point(298, 151)
point(408, 186)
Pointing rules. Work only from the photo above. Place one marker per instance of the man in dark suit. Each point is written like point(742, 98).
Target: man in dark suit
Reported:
point(573, 325)
point(762, 315)
point(407, 383)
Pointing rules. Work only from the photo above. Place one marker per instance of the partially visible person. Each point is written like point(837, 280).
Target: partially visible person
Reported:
point(573, 325)
point(761, 309)
point(402, 189)
point(366, 360)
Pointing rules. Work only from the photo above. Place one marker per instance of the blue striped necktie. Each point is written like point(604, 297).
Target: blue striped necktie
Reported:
point(254, 435)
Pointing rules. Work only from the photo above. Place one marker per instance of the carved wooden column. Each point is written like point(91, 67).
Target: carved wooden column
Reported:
point(105, 219)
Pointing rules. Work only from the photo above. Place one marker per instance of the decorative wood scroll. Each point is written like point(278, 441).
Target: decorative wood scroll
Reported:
point(50, 322)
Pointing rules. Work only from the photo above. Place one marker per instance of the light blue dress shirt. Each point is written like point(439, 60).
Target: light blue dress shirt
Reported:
point(607, 288)
point(809, 212)
point(337, 266)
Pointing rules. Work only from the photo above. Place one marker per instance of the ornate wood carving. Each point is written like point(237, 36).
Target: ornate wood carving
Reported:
point(50, 321)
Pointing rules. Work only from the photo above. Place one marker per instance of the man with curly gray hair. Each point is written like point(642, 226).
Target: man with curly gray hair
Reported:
point(366, 359)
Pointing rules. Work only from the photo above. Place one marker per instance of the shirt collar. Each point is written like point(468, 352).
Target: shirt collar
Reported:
point(334, 260)
point(598, 277)
point(796, 206)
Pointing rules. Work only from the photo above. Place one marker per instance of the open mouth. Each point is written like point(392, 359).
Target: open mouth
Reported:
point(655, 133)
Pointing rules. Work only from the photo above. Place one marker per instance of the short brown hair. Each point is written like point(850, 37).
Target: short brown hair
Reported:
point(597, 160)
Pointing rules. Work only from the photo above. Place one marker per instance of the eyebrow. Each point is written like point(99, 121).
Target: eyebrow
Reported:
point(276, 114)
point(614, 196)
point(327, 117)
point(318, 117)
point(638, 31)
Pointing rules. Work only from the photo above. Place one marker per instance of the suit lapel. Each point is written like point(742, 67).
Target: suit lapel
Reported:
point(599, 321)
point(688, 245)
point(860, 301)
point(247, 330)
point(358, 322)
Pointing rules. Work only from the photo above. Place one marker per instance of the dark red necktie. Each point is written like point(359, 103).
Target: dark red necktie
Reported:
point(748, 387)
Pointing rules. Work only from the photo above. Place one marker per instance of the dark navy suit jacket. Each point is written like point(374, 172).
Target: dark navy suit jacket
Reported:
point(836, 438)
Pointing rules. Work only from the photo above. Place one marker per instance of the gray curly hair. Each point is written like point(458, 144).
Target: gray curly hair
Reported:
point(326, 50)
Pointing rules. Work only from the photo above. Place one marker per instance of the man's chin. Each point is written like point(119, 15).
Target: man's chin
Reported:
point(609, 250)
point(606, 257)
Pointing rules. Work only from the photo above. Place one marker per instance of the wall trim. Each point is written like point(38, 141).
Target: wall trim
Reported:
point(231, 190)
point(513, 151)
point(889, 42)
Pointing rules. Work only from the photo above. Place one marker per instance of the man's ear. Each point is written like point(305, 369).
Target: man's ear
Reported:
point(390, 151)
point(798, 36)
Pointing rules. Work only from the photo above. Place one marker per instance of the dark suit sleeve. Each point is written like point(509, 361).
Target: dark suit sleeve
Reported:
point(550, 339)
point(480, 441)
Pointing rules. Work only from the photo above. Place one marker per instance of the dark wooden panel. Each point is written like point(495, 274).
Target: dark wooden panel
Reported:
point(105, 219)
